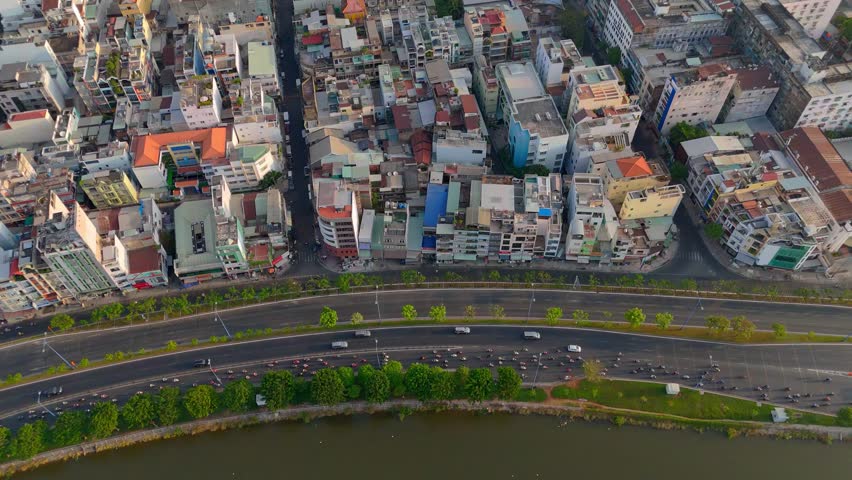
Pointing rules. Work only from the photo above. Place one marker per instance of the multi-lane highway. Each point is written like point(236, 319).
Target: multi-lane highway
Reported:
point(33, 357)
point(801, 368)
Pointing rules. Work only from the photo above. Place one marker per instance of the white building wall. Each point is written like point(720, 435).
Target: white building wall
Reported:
point(813, 15)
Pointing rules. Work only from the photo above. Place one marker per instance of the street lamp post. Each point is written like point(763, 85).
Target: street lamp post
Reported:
point(38, 402)
point(378, 362)
point(532, 300)
point(696, 307)
point(47, 345)
point(217, 318)
point(379, 308)
point(538, 364)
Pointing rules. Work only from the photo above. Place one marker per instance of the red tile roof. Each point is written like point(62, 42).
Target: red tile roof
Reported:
point(818, 158)
point(471, 123)
point(442, 116)
point(30, 115)
point(249, 210)
point(839, 203)
point(468, 104)
point(421, 145)
point(634, 166)
point(144, 259)
point(315, 39)
point(146, 148)
point(401, 117)
point(631, 15)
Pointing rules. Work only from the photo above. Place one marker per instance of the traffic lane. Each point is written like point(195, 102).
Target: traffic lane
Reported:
point(602, 345)
point(28, 359)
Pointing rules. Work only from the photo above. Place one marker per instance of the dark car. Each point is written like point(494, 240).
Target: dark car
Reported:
point(53, 392)
point(202, 363)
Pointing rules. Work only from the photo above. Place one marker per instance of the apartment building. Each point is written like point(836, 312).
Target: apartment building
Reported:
point(592, 222)
point(813, 15)
point(752, 94)
point(554, 60)
point(537, 134)
point(255, 116)
point(653, 202)
point(109, 188)
point(262, 67)
point(600, 135)
point(353, 54)
point(455, 146)
point(69, 244)
point(694, 96)
point(26, 185)
point(630, 174)
point(244, 167)
point(498, 33)
point(201, 103)
point(485, 87)
point(592, 88)
point(25, 87)
point(342, 105)
point(160, 159)
point(338, 217)
point(26, 129)
point(665, 24)
point(196, 229)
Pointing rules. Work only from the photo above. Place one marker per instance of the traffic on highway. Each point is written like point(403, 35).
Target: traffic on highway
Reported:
point(798, 376)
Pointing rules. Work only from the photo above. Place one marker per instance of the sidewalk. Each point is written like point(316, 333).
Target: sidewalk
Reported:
point(333, 265)
point(758, 273)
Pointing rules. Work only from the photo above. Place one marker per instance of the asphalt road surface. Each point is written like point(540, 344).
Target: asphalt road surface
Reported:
point(802, 368)
point(32, 357)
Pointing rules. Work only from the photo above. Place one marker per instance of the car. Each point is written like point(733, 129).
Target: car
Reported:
point(530, 335)
point(462, 330)
point(362, 333)
point(339, 345)
point(307, 171)
point(202, 363)
point(53, 392)
point(574, 348)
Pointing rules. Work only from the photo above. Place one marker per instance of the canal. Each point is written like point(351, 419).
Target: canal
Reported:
point(458, 446)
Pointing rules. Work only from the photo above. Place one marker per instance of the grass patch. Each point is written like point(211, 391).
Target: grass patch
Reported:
point(807, 418)
point(652, 397)
point(531, 395)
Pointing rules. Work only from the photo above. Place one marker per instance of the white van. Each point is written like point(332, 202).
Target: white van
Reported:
point(339, 345)
point(462, 330)
point(530, 335)
point(574, 348)
point(362, 333)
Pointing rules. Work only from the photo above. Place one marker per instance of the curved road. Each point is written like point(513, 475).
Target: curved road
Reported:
point(803, 368)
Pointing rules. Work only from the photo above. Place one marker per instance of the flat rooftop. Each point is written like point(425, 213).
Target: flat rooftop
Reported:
point(540, 116)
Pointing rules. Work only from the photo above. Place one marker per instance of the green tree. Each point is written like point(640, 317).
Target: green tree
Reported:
point(104, 420)
point(679, 172)
point(742, 327)
point(396, 377)
point(171, 345)
point(356, 318)
point(343, 283)
point(635, 317)
point(138, 412)
point(113, 311)
point(328, 317)
point(470, 312)
point(683, 131)
point(248, 294)
point(69, 429)
point(573, 23)
point(238, 396)
point(779, 329)
point(580, 316)
point(61, 322)
point(278, 389)
point(664, 319)
point(347, 376)
point(200, 401)
point(480, 385)
point(418, 381)
point(508, 383)
point(5, 441)
point(168, 405)
point(613, 56)
point(688, 284)
point(376, 386)
point(452, 8)
point(412, 277)
point(460, 377)
point(438, 313)
point(714, 231)
point(408, 312)
point(718, 323)
point(553, 315)
point(592, 370)
point(493, 276)
point(269, 180)
point(177, 305)
point(443, 387)
point(29, 439)
point(498, 312)
point(327, 388)
point(844, 417)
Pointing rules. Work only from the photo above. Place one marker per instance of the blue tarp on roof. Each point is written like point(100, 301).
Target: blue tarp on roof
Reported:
point(436, 204)
point(544, 212)
point(429, 242)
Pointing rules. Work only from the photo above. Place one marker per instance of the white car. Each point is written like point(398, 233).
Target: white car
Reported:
point(462, 330)
point(574, 348)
